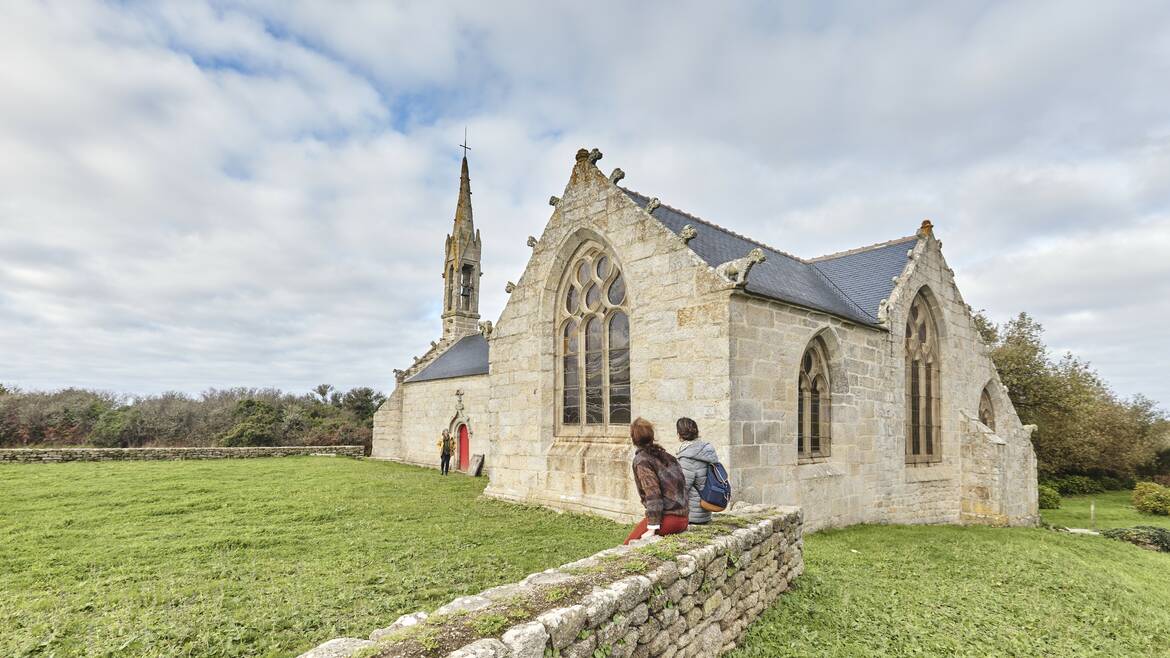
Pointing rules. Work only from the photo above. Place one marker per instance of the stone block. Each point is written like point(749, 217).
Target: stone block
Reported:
point(405, 621)
point(563, 624)
point(342, 647)
point(526, 640)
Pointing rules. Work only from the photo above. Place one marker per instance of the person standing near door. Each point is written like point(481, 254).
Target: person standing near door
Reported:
point(446, 447)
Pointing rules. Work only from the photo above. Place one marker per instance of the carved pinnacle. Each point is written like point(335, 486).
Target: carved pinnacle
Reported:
point(688, 233)
point(594, 156)
point(616, 175)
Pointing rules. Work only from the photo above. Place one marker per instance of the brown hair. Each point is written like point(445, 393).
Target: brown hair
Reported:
point(642, 434)
point(688, 430)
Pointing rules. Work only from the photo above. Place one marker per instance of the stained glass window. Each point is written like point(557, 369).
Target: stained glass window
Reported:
point(923, 407)
point(594, 344)
point(813, 403)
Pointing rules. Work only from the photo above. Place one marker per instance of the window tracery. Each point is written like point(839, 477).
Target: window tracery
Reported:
point(923, 407)
point(593, 351)
point(813, 403)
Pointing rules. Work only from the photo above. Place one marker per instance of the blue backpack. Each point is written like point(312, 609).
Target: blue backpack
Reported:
point(716, 493)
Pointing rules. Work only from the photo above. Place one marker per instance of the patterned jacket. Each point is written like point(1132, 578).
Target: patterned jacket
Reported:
point(661, 484)
point(446, 445)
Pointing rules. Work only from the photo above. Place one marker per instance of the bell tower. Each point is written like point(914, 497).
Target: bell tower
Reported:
point(461, 268)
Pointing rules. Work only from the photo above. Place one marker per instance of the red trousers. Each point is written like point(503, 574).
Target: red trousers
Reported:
point(671, 525)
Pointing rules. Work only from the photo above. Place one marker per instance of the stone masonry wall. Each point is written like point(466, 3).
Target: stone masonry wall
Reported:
point(698, 601)
point(33, 455)
point(865, 478)
point(677, 306)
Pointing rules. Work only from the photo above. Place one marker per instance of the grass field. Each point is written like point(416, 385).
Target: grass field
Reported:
point(1114, 510)
point(950, 591)
point(256, 557)
point(268, 557)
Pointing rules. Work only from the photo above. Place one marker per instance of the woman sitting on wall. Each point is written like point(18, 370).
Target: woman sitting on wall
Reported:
point(661, 485)
point(695, 457)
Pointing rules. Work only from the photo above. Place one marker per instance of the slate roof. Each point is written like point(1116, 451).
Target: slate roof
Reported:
point(849, 285)
point(468, 356)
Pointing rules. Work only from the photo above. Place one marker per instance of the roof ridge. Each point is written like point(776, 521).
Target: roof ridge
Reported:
point(721, 228)
point(858, 250)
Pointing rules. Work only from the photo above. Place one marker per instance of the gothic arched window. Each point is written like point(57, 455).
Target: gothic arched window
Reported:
point(813, 403)
point(593, 347)
point(923, 409)
point(986, 409)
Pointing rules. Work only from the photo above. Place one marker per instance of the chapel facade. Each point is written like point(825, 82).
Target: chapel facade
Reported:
point(854, 385)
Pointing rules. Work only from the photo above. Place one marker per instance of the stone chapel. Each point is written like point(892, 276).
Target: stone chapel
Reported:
point(854, 385)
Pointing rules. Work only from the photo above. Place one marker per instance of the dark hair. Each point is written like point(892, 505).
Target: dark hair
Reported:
point(642, 434)
point(688, 430)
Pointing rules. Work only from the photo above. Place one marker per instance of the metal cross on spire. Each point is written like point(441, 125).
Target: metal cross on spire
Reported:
point(464, 145)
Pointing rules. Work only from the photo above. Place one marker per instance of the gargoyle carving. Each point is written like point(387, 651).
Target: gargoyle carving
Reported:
point(532, 241)
point(486, 328)
point(399, 375)
point(509, 287)
point(617, 175)
point(554, 201)
point(736, 271)
point(594, 156)
point(652, 205)
point(688, 233)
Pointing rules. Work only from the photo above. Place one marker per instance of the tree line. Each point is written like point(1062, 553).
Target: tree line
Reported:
point(232, 417)
point(1083, 427)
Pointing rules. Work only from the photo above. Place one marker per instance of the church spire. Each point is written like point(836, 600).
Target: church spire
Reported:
point(463, 207)
point(461, 266)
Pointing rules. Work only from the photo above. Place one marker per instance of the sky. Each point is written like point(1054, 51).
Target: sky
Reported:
point(214, 194)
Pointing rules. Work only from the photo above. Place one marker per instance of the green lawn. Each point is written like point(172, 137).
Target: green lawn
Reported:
point(268, 557)
point(949, 591)
point(1114, 510)
point(256, 557)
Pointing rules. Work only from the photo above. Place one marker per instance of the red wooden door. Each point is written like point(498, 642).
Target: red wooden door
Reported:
point(464, 448)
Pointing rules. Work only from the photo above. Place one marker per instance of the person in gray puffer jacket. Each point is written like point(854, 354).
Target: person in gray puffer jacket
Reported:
point(694, 456)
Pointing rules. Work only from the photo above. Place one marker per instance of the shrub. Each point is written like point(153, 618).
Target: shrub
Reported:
point(1110, 483)
point(1049, 497)
point(1155, 539)
point(1151, 498)
point(1075, 485)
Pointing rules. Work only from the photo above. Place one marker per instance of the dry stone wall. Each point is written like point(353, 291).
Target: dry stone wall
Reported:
point(35, 455)
point(696, 595)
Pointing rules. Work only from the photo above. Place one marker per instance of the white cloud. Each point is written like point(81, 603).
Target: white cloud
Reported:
point(208, 194)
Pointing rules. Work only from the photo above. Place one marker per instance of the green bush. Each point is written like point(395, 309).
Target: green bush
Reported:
point(1157, 539)
point(1110, 483)
point(1151, 498)
point(1075, 485)
point(1049, 497)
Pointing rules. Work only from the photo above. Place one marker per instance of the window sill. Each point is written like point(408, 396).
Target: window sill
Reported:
point(817, 470)
point(929, 472)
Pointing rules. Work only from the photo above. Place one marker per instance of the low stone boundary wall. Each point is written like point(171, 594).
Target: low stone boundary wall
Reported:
point(692, 594)
point(35, 455)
